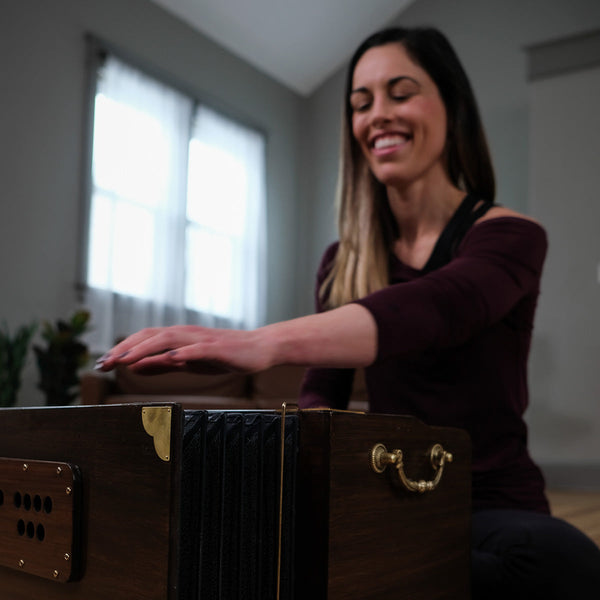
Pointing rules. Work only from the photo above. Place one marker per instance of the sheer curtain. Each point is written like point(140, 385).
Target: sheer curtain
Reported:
point(176, 211)
point(226, 217)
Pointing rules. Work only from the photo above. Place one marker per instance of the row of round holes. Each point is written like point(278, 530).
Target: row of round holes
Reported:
point(31, 530)
point(26, 502)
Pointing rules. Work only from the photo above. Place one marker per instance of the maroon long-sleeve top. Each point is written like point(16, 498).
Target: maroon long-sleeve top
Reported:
point(452, 350)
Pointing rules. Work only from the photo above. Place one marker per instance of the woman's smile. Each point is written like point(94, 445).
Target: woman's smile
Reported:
point(386, 144)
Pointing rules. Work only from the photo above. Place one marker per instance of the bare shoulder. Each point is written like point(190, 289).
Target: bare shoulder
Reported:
point(500, 211)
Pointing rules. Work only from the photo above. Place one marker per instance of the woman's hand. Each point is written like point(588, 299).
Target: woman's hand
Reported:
point(191, 348)
point(344, 337)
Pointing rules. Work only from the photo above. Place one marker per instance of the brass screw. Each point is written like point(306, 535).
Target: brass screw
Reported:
point(55, 573)
point(58, 470)
point(25, 466)
point(67, 556)
point(21, 563)
point(69, 490)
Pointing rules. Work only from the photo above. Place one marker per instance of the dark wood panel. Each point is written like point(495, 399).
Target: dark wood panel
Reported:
point(128, 521)
point(312, 506)
point(383, 541)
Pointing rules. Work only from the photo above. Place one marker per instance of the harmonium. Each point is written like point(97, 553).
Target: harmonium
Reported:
point(151, 501)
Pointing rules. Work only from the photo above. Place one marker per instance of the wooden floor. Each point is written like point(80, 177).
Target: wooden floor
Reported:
point(581, 509)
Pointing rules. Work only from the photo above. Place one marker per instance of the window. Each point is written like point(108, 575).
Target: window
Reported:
point(176, 210)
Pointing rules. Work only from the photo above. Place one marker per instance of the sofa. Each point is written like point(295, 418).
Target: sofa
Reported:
point(263, 390)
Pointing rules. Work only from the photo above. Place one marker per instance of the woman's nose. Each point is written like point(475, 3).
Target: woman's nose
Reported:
point(381, 110)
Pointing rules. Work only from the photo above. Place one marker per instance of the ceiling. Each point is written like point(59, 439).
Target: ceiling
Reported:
point(299, 43)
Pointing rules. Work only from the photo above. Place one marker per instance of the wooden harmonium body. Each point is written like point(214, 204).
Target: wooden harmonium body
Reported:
point(153, 502)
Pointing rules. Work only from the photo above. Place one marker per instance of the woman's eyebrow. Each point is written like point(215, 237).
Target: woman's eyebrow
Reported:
point(360, 90)
point(395, 80)
point(391, 82)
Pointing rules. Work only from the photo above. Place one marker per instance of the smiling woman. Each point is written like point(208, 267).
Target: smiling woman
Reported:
point(418, 67)
point(433, 289)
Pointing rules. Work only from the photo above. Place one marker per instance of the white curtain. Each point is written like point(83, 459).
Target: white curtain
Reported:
point(226, 218)
point(158, 255)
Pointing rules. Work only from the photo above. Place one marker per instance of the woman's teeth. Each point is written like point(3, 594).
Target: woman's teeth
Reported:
point(386, 142)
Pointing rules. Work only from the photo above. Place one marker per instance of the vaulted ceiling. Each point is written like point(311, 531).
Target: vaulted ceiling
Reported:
point(298, 43)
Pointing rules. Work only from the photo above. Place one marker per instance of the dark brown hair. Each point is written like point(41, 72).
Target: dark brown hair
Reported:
point(469, 162)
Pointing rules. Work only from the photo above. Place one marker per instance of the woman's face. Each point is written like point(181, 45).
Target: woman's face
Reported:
point(398, 117)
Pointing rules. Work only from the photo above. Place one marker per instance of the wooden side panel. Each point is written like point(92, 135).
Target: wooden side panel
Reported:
point(383, 541)
point(129, 506)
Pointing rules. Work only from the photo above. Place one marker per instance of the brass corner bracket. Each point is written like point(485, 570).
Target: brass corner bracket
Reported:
point(157, 423)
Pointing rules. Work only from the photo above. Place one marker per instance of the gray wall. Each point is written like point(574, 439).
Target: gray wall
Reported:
point(42, 67)
point(565, 407)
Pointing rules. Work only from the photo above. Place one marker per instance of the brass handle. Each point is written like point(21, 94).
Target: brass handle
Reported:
point(381, 458)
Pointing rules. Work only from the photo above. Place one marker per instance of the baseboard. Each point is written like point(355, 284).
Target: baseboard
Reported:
point(572, 476)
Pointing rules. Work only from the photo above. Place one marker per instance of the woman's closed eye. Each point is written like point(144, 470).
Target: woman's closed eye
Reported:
point(360, 102)
point(403, 89)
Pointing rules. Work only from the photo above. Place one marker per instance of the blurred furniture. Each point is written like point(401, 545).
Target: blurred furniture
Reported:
point(266, 389)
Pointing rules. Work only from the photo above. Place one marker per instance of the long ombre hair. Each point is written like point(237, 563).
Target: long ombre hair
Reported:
point(366, 225)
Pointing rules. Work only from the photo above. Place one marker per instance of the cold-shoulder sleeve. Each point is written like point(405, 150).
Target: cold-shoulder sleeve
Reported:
point(325, 387)
point(497, 266)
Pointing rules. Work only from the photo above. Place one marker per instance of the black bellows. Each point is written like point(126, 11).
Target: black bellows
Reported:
point(230, 520)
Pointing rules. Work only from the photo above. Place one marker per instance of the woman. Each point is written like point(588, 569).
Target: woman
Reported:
point(433, 289)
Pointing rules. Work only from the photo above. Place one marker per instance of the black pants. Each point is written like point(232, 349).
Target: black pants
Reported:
point(520, 554)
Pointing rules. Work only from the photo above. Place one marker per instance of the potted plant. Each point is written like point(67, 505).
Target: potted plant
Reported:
point(62, 358)
point(13, 352)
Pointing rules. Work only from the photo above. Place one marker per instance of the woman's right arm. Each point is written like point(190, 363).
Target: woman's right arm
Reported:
point(343, 337)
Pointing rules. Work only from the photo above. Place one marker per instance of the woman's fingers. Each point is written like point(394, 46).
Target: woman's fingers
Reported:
point(148, 343)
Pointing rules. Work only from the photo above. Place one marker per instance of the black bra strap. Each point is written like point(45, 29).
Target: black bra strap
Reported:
point(455, 230)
